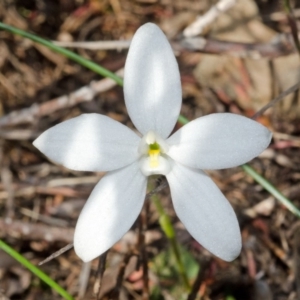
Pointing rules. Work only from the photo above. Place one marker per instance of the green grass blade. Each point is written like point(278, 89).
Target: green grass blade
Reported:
point(183, 120)
point(35, 270)
point(71, 55)
point(272, 190)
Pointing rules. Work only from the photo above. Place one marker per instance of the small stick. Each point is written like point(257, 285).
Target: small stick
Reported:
point(198, 280)
point(84, 94)
point(57, 253)
point(293, 24)
point(7, 180)
point(100, 272)
point(281, 45)
point(98, 45)
point(34, 231)
point(143, 251)
point(296, 261)
point(116, 291)
point(161, 186)
point(209, 17)
point(290, 90)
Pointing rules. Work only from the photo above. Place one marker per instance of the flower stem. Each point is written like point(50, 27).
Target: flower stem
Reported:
point(183, 120)
point(168, 229)
point(71, 55)
point(272, 190)
point(35, 270)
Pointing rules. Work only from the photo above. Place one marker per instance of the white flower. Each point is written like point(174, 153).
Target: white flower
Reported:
point(93, 142)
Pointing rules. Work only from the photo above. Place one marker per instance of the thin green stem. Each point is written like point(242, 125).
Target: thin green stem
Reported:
point(183, 120)
point(272, 190)
point(175, 246)
point(35, 270)
point(168, 229)
point(71, 55)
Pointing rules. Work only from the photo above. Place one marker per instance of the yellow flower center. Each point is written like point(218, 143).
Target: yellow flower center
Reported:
point(153, 155)
point(154, 152)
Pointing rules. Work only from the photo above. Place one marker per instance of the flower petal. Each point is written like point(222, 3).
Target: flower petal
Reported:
point(152, 85)
point(218, 141)
point(205, 212)
point(110, 211)
point(90, 142)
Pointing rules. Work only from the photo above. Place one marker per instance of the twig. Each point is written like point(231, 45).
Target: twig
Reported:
point(293, 24)
point(296, 261)
point(84, 94)
point(43, 218)
point(46, 190)
point(198, 280)
point(281, 45)
point(202, 21)
point(57, 253)
point(7, 178)
point(277, 99)
point(99, 45)
point(33, 231)
point(18, 134)
point(143, 251)
point(74, 180)
point(159, 188)
point(276, 250)
point(294, 140)
point(116, 291)
point(100, 272)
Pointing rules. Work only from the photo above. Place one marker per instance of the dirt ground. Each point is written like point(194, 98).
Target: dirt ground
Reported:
point(40, 201)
